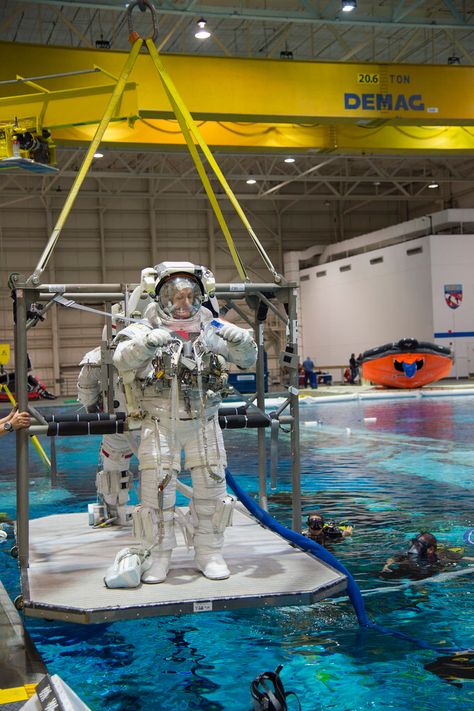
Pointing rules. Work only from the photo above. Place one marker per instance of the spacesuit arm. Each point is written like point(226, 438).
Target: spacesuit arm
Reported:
point(136, 347)
point(235, 344)
point(243, 354)
point(88, 382)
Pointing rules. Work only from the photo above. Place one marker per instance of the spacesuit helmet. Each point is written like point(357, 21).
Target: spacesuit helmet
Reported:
point(181, 288)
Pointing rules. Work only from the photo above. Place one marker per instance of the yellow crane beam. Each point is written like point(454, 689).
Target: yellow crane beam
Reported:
point(282, 138)
point(245, 104)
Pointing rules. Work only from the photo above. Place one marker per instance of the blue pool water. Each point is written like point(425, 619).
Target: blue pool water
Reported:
point(392, 468)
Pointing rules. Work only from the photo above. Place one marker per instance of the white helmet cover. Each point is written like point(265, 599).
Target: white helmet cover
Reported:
point(181, 288)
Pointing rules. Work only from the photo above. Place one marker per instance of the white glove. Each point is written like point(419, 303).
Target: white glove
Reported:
point(158, 337)
point(233, 334)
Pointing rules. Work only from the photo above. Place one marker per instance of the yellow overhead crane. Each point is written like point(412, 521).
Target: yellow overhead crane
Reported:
point(242, 104)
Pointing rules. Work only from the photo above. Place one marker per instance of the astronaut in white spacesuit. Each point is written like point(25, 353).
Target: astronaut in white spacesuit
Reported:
point(173, 368)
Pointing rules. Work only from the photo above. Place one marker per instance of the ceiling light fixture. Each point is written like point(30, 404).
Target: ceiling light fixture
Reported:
point(98, 155)
point(289, 160)
point(433, 185)
point(202, 33)
point(102, 43)
point(251, 181)
point(348, 5)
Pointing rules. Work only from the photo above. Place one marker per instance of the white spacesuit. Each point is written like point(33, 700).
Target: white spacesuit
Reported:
point(114, 480)
point(173, 369)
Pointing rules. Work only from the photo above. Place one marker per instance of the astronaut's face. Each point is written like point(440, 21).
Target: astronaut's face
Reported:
point(180, 297)
point(183, 303)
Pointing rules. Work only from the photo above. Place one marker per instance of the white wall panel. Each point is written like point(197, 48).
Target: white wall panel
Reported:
point(453, 263)
point(351, 311)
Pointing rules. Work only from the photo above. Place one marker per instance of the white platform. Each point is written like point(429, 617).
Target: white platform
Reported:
point(68, 559)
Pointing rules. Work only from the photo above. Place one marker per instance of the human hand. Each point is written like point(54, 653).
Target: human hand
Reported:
point(233, 334)
point(158, 337)
point(19, 419)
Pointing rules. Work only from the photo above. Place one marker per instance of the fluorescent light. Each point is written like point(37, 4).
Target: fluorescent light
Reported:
point(348, 5)
point(98, 155)
point(289, 160)
point(251, 181)
point(433, 185)
point(202, 33)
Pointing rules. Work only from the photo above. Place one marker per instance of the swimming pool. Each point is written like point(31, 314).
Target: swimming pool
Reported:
point(391, 467)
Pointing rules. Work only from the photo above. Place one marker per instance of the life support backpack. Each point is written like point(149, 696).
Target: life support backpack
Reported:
point(268, 693)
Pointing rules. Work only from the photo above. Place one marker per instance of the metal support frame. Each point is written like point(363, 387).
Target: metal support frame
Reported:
point(27, 293)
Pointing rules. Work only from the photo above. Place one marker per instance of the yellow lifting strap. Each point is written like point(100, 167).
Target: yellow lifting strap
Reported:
point(185, 119)
point(109, 112)
point(208, 188)
point(34, 438)
point(188, 127)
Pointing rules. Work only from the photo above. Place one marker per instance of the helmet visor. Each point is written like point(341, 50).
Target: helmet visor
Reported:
point(179, 297)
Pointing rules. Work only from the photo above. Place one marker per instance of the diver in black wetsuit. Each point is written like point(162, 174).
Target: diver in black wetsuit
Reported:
point(423, 559)
point(321, 532)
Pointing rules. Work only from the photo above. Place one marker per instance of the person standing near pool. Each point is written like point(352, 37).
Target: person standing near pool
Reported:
point(308, 367)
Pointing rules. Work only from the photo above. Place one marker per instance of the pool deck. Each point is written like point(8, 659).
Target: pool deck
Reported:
point(449, 386)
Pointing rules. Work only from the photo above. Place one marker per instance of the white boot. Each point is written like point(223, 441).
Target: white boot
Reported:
point(159, 568)
point(212, 565)
point(209, 517)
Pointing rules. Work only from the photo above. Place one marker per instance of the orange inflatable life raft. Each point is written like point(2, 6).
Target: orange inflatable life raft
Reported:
point(407, 363)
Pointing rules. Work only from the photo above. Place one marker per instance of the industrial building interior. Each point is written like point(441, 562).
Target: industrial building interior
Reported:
point(340, 127)
point(346, 178)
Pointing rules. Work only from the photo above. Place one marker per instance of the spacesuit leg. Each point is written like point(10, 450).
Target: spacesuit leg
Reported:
point(211, 507)
point(153, 520)
point(114, 482)
point(209, 518)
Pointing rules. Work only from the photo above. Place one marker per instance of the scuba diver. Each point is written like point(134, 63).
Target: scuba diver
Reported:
point(321, 532)
point(173, 368)
point(453, 668)
point(424, 558)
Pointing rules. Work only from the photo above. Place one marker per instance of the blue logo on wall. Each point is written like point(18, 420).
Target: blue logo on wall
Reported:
point(469, 536)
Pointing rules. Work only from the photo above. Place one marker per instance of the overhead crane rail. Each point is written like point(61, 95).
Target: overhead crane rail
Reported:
point(330, 107)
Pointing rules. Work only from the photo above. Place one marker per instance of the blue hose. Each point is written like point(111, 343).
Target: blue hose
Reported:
point(305, 544)
point(323, 554)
